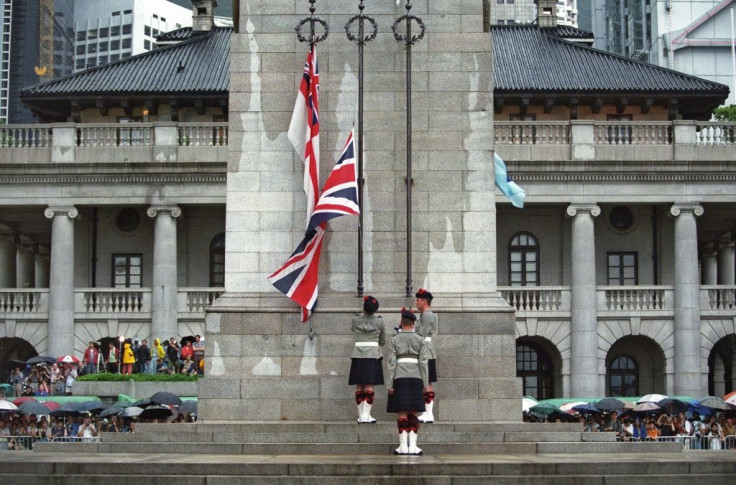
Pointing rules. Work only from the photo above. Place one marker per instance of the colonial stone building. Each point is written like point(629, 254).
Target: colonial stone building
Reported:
point(620, 267)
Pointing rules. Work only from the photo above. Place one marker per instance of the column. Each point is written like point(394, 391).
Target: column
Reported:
point(689, 381)
point(583, 314)
point(61, 280)
point(7, 259)
point(42, 268)
point(164, 323)
point(709, 267)
point(25, 266)
point(726, 266)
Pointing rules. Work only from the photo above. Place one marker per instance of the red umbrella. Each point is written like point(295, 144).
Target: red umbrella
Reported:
point(23, 399)
point(68, 359)
point(51, 405)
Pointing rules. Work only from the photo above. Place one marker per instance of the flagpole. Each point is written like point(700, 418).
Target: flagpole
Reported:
point(408, 41)
point(361, 39)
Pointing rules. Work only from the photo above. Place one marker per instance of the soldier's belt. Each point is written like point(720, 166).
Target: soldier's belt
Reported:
point(407, 360)
point(427, 339)
point(366, 344)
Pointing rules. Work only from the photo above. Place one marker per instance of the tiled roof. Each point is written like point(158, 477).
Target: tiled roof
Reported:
point(178, 35)
point(197, 65)
point(565, 32)
point(527, 59)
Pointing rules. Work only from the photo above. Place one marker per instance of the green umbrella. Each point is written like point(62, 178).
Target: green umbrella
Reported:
point(544, 409)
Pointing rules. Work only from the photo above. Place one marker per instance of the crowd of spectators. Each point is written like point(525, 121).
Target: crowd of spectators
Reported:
point(22, 431)
point(167, 357)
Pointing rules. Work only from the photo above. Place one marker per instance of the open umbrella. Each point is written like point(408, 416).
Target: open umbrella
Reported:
point(587, 409)
point(51, 405)
point(165, 398)
point(93, 407)
point(655, 398)
point(65, 410)
point(527, 403)
point(561, 416)
point(672, 406)
point(570, 407)
point(122, 404)
point(188, 338)
point(646, 408)
point(34, 407)
point(68, 359)
point(41, 359)
point(543, 409)
point(610, 404)
point(131, 412)
point(7, 406)
point(23, 399)
point(714, 402)
point(142, 403)
point(111, 411)
point(188, 407)
point(730, 398)
point(155, 412)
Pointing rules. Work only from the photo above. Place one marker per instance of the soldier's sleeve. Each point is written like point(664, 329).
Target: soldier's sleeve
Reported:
point(424, 363)
point(391, 363)
point(382, 334)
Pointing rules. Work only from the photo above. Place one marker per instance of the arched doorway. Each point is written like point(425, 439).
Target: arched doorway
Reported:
point(539, 365)
point(635, 366)
point(720, 366)
point(13, 349)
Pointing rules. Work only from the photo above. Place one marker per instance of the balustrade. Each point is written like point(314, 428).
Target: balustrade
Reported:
point(23, 301)
point(115, 135)
point(635, 298)
point(531, 133)
point(108, 300)
point(715, 133)
point(717, 297)
point(203, 134)
point(196, 300)
point(25, 136)
point(535, 298)
point(632, 133)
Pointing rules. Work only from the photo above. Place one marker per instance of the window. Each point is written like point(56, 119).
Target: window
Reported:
point(92, 34)
point(623, 377)
point(104, 32)
point(101, 60)
point(534, 367)
point(524, 260)
point(91, 48)
point(81, 35)
point(127, 43)
point(115, 31)
point(217, 261)
point(127, 29)
point(147, 45)
point(114, 57)
point(114, 45)
point(116, 14)
point(147, 30)
point(80, 49)
point(103, 46)
point(126, 270)
point(622, 269)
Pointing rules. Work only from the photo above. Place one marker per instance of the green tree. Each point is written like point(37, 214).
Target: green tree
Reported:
point(725, 113)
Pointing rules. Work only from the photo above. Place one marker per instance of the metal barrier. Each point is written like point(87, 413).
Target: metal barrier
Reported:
point(692, 442)
point(17, 443)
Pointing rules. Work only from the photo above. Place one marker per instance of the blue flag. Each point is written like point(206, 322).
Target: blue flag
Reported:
point(509, 188)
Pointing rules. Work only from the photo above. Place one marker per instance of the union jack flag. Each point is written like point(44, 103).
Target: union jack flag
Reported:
point(298, 277)
point(304, 128)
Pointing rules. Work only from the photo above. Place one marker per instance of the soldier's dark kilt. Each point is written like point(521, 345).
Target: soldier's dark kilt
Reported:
point(408, 395)
point(432, 367)
point(366, 371)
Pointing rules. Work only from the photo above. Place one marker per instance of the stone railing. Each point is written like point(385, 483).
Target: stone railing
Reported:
point(195, 300)
point(31, 301)
point(717, 297)
point(203, 134)
point(635, 298)
point(537, 298)
point(715, 133)
point(531, 133)
point(115, 135)
point(631, 133)
point(25, 136)
point(113, 300)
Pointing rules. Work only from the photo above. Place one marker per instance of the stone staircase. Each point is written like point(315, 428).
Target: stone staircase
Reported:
point(329, 453)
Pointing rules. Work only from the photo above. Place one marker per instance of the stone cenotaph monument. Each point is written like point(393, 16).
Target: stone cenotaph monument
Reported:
point(262, 363)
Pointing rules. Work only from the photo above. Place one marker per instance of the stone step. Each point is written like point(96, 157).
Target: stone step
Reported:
point(329, 449)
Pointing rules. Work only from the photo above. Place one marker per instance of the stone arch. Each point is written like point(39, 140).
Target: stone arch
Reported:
point(553, 334)
point(711, 331)
point(660, 332)
point(550, 352)
point(649, 359)
point(14, 348)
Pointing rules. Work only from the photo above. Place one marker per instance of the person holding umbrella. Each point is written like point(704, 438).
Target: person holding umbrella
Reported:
point(408, 374)
point(366, 369)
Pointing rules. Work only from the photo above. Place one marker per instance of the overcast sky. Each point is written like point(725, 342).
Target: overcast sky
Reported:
point(224, 7)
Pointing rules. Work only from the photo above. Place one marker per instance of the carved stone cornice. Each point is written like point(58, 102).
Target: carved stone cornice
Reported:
point(219, 178)
point(606, 177)
point(69, 211)
point(173, 210)
point(575, 209)
point(689, 208)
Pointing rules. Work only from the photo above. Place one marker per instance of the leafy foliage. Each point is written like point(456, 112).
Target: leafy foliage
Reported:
point(725, 113)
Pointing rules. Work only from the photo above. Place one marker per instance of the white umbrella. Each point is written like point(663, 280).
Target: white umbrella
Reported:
point(655, 398)
point(568, 407)
point(7, 405)
point(131, 412)
point(527, 403)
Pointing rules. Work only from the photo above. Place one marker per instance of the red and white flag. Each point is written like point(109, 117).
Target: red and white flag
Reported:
point(304, 128)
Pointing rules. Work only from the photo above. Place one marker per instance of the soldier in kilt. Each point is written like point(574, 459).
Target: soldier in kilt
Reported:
point(427, 327)
point(366, 368)
point(408, 377)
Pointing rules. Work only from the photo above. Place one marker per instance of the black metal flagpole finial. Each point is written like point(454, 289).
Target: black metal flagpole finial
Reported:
point(361, 38)
point(408, 39)
point(312, 21)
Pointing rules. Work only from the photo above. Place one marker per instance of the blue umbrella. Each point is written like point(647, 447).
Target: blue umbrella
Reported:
point(65, 410)
point(587, 409)
point(90, 406)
